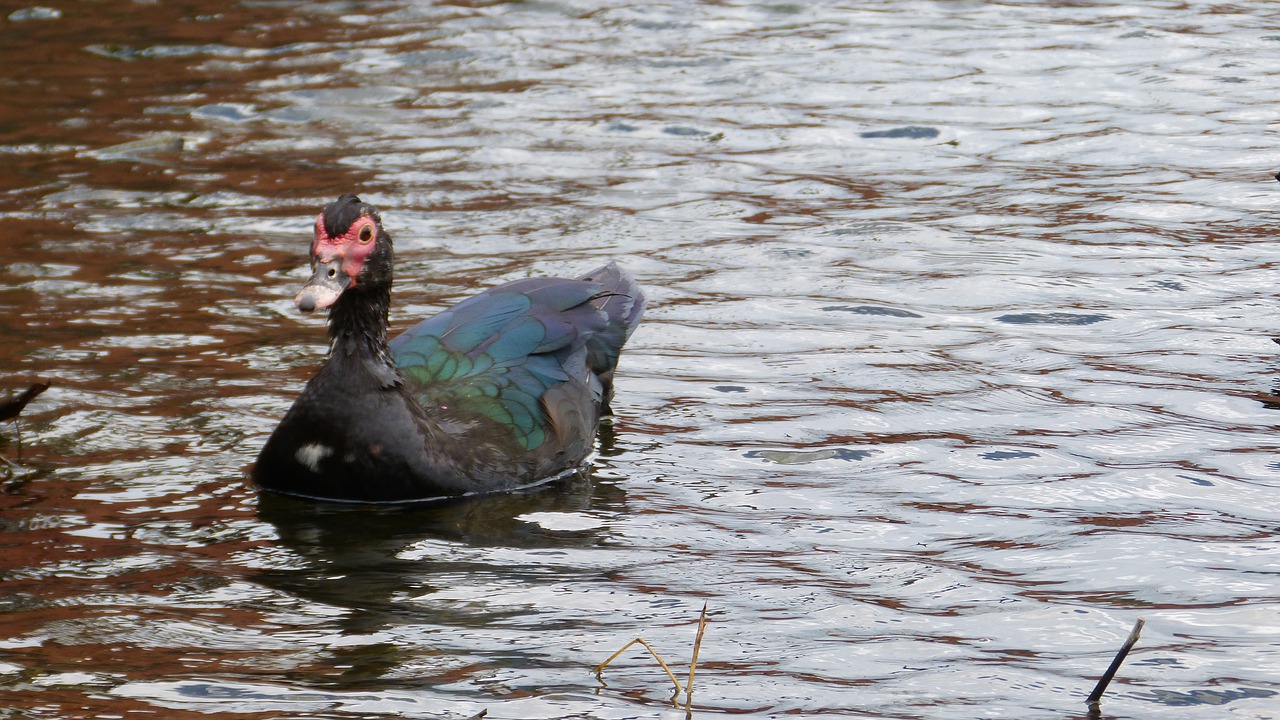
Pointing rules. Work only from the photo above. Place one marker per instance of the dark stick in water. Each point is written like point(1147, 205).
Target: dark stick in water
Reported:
point(12, 406)
point(1096, 696)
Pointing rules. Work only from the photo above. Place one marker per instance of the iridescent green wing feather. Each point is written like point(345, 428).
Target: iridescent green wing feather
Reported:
point(498, 353)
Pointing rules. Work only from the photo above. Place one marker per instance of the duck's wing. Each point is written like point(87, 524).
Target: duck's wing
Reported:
point(514, 358)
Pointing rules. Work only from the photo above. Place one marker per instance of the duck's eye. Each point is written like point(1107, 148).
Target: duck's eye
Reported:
point(366, 233)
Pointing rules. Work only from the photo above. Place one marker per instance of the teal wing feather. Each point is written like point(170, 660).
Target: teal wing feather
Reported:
point(497, 354)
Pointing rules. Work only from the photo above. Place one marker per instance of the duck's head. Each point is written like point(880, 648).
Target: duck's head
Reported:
point(350, 250)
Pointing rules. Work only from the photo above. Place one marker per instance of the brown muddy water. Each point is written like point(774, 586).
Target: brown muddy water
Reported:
point(958, 359)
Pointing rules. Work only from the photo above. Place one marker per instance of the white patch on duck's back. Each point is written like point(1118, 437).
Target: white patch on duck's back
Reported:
point(311, 454)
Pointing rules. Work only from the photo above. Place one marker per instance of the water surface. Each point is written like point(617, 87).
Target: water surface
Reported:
point(958, 358)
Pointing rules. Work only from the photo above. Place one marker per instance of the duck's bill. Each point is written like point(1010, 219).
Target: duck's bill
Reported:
point(322, 291)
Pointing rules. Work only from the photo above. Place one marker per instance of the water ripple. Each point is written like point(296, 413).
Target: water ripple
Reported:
point(958, 356)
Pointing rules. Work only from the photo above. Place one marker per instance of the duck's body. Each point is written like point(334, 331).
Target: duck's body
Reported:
point(502, 391)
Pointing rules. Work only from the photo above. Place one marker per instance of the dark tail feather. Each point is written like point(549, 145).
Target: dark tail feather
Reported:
point(623, 302)
point(621, 298)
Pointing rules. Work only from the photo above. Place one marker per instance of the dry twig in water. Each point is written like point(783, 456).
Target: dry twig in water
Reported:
point(693, 663)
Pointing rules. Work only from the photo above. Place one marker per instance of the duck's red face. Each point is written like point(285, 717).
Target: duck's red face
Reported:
point(336, 261)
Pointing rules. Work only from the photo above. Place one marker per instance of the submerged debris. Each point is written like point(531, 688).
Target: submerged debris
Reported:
point(143, 150)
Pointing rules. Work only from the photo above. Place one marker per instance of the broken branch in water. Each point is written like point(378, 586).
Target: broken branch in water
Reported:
point(600, 668)
point(693, 663)
point(1095, 697)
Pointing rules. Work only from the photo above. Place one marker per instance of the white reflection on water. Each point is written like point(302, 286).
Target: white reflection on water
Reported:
point(958, 358)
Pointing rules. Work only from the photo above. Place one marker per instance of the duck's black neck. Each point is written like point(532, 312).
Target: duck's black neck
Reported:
point(358, 321)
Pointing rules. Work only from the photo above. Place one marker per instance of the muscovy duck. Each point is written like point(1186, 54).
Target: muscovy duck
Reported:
point(505, 390)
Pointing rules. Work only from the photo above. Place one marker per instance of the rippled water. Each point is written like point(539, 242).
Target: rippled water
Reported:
point(958, 358)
